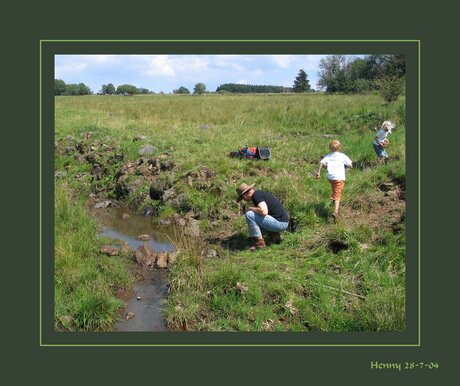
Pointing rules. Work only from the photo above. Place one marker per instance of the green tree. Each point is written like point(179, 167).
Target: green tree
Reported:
point(200, 88)
point(72, 89)
point(110, 89)
point(59, 87)
point(390, 87)
point(127, 89)
point(181, 90)
point(301, 82)
point(247, 88)
point(83, 89)
point(331, 72)
point(387, 65)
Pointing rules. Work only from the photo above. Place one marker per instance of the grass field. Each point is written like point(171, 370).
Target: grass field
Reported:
point(348, 276)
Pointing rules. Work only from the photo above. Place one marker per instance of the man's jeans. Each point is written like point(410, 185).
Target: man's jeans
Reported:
point(269, 223)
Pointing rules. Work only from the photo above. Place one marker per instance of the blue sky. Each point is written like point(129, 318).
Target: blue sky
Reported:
point(168, 72)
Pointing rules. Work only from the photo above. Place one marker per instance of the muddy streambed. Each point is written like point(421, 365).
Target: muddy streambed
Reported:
point(143, 311)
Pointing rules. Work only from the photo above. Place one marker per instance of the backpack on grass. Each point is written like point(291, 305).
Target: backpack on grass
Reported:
point(262, 152)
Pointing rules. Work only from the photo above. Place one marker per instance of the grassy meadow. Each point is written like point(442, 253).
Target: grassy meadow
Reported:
point(348, 276)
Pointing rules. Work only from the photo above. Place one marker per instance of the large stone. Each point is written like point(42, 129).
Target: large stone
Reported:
point(172, 257)
point(110, 250)
point(209, 253)
point(157, 188)
point(169, 195)
point(161, 260)
point(193, 228)
point(103, 204)
point(145, 255)
point(179, 201)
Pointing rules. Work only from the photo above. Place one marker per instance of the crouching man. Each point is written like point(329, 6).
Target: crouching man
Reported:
point(267, 213)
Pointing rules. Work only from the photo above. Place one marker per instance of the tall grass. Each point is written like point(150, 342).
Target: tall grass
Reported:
point(85, 280)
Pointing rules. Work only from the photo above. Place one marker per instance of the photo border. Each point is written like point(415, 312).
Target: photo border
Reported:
point(49, 337)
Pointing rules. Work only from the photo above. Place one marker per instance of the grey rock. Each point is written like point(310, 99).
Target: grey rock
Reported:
point(161, 260)
point(110, 250)
point(209, 253)
point(147, 150)
point(157, 188)
point(59, 175)
point(169, 194)
point(103, 204)
point(179, 200)
point(172, 257)
point(193, 228)
point(145, 255)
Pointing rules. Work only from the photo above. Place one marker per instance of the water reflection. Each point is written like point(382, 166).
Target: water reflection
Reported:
point(116, 225)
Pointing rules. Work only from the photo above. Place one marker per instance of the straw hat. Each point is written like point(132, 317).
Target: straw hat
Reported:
point(243, 188)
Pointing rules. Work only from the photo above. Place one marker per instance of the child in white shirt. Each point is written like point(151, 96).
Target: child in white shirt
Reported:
point(335, 163)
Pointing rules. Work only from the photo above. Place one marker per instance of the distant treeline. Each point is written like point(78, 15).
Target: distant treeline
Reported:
point(61, 88)
point(249, 88)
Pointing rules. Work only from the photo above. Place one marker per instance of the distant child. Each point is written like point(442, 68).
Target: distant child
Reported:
point(381, 141)
point(335, 163)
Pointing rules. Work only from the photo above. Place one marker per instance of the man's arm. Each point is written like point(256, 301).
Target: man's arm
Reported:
point(260, 209)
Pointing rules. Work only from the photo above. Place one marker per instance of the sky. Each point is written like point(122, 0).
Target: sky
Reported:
point(165, 73)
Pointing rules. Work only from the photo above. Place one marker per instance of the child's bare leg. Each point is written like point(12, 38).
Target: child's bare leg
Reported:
point(335, 213)
point(336, 206)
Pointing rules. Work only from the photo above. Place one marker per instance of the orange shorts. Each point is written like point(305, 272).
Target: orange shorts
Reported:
point(337, 187)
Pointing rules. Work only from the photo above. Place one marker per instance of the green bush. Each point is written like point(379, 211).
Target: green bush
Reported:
point(390, 88)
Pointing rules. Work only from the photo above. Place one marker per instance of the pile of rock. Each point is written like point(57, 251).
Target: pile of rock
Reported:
point(148, 258)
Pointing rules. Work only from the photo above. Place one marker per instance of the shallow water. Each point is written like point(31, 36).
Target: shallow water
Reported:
point(148, 310)
point(144, 307)
point(128, 229)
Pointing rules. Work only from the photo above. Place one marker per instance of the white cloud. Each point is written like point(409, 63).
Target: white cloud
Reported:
point(102, 59)
point(283, 61)
point(230, 62)
point(191, 63)
point(70, 69)
point(159, 65)
point(183, 66)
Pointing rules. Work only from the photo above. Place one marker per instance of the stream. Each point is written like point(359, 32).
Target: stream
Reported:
point(143, 311)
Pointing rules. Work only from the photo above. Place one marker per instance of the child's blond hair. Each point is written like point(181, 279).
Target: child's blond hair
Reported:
point(388, 126)
point(335, 145)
